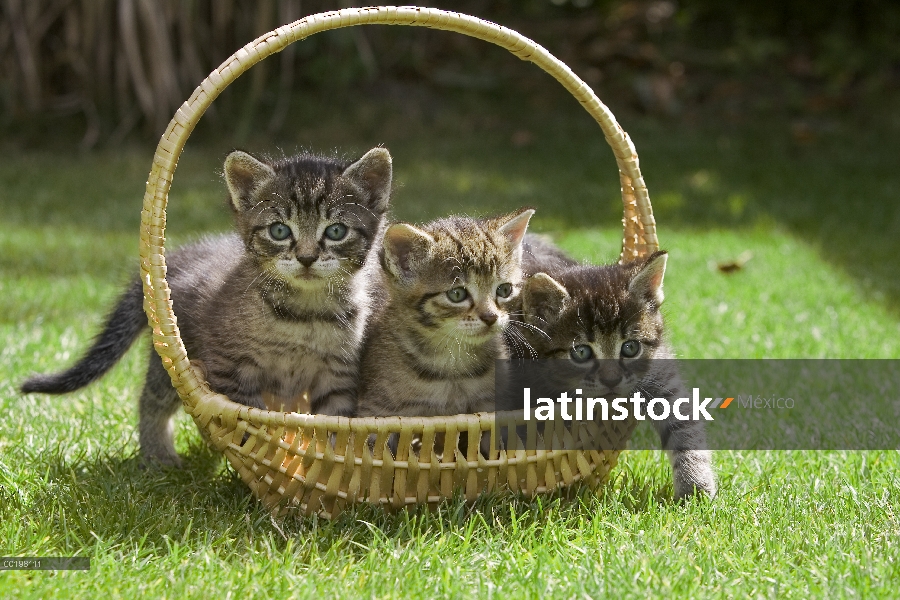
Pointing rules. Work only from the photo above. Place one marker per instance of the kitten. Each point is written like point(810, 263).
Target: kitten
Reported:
point(449, 287)
point(539, 254)
point(606, 321)
point(275, 312)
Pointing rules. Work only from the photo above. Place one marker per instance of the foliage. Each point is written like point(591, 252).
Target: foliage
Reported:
point(123, 67)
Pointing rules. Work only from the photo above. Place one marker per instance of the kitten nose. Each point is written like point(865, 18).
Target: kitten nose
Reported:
point(306, 261)
point(611, 383)
point(488, 317)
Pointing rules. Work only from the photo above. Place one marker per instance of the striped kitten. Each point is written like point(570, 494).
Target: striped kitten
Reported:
point(606, 321)
point(449, 286)
point(274, 313)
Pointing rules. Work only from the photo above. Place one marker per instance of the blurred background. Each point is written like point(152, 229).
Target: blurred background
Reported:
point(115, 70)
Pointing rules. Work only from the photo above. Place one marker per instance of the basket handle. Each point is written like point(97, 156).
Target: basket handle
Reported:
point(639, 235)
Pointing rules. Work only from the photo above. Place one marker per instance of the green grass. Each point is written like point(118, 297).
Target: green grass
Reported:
point(824, 229)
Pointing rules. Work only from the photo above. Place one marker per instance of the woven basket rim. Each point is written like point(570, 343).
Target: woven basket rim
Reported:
point(438, 423)
point(267, 469)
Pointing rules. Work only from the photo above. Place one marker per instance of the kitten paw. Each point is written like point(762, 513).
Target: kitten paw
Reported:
point(160, 460)
point(702, 486)
point(693, 474)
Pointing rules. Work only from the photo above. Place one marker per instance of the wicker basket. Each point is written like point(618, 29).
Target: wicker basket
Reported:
point(318, 463)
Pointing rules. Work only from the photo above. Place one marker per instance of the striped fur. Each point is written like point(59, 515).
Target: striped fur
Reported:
point(275, 317)
point(603, 308)
point(425, 354)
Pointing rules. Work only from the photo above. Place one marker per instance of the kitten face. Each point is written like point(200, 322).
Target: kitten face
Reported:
point(458, 275)
point(309, 221)
point(470, 305)
point(603, 321)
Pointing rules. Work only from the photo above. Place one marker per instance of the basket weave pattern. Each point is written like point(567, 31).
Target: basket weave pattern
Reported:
point(320, 463)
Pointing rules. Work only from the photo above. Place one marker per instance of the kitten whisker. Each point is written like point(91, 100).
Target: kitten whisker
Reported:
point(362, 206)
point(526, 315)
point(530, 327)
point(519, 341)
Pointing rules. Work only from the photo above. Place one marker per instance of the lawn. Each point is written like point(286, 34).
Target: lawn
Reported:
point(818, 214)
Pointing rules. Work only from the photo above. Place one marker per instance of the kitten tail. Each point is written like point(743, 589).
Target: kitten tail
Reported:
point(123, 325)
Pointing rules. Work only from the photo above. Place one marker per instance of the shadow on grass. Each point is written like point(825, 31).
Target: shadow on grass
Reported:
point(836, 193)
point(114, 502)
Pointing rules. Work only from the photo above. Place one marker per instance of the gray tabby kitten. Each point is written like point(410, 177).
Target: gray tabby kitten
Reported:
point(274, 313)
point(606, 320)
point(450, 284)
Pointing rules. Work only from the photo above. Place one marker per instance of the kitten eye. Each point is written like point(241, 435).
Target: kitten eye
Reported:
point(336, 232)
point(504, 290)
point(457, 294)
point(279, 231)
point(631, 348)
point(581, 353)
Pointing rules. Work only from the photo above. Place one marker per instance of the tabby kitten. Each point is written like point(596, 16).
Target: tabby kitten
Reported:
point(449, 286)
point(275, 312)
point(606, 322)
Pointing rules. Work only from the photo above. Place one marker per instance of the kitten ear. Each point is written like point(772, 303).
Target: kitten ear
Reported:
point(373, 173)
point(244, 174)
point(515, 226)
point(543, 297)
point(648, 282)
point(403, 249)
